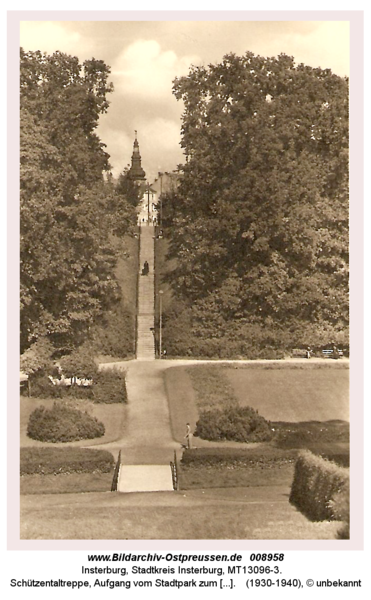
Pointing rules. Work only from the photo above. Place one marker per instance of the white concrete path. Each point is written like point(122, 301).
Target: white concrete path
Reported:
point(145, 478)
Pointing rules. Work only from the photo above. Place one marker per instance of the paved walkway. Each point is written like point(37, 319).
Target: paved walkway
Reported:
point(146, 309)
point(147, 447)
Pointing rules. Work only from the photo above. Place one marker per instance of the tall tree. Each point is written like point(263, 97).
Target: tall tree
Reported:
point(128, 188)
point(68, 211)
point(261, 217)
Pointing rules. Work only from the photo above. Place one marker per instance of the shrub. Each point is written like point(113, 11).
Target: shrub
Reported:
point(77, 392)
point(54, 461)
point(42, 387)
point(340, 507)
point(37, 359)
point(80, 363)
point(235, 423)
point(63, 424)
point(115, 336)
point(110, 387)
point(316, 482)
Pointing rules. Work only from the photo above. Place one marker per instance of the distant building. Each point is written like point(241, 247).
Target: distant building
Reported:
point(136, 171)
point(147, 211)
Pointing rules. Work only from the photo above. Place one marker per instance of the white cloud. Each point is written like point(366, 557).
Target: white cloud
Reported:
point(48, 36)
point(145, 70)
point(324, 44)
point(158, 141)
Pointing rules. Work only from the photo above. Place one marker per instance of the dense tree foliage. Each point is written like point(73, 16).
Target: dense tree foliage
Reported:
point(260, 220)
point(69, 213)
point(128, 188)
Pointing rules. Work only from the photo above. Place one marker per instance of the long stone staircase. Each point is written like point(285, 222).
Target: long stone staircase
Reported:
point(146, 312)
point(146, 452)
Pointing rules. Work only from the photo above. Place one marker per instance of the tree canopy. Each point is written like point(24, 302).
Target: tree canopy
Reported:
point(260, 219)
point(68, 211)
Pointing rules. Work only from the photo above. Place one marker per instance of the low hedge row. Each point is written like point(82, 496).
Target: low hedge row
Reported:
point(110, 387)
point(317, 482)
point(233, 423)
point(55, 461)
point(237, 457)
point(63, 424)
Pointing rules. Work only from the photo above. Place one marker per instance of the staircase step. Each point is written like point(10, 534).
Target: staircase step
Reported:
point(145, 478)
point(146, 300)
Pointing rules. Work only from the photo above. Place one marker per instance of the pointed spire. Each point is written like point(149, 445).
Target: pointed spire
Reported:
point(136, 171)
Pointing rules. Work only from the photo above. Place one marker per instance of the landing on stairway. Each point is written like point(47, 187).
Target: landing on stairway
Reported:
point(145, 478)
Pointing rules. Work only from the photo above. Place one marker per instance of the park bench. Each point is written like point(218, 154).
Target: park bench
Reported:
point(331, 353)
point(301, 353)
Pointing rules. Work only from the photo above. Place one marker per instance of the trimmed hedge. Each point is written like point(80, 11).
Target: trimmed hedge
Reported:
point(110, 387)
point(237, 457)
point(315, 485)
point(63, 424)
point(233, 423)
point(55, 461)
point(341, 510)
point(42, 387)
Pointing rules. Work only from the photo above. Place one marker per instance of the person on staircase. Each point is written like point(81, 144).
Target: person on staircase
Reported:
point(145, 269)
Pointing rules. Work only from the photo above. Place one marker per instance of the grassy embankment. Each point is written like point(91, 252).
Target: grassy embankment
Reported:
point(162, 267)
point(126, 271)
point(283, 393)
point(256, 513)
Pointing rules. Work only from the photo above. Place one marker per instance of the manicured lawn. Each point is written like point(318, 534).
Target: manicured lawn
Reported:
point(73, 483)
point(293, 394)
point(111, 415)
point(228, 477)
point(162, 267)
point(244, 513)
point(279, 391)
point(182, 401)
point(127, 276)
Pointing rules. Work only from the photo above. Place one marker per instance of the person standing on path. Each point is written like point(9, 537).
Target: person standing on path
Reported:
point(188, 436)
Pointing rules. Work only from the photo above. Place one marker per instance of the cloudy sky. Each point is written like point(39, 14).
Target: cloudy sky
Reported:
point(146, 56)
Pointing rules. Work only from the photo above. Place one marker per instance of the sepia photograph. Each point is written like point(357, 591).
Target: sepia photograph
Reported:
point(184, 279)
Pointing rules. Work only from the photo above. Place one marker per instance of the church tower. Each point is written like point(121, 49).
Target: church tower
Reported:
point(136, 172)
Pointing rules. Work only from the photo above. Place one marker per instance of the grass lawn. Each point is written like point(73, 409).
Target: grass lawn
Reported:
point(126, 272)
point(279, 391)
point(73, 483)
point(111, 415)
point(229, 477)
point(182, 401)
point(247, 513)
point(312, 392)
point(162, 267)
